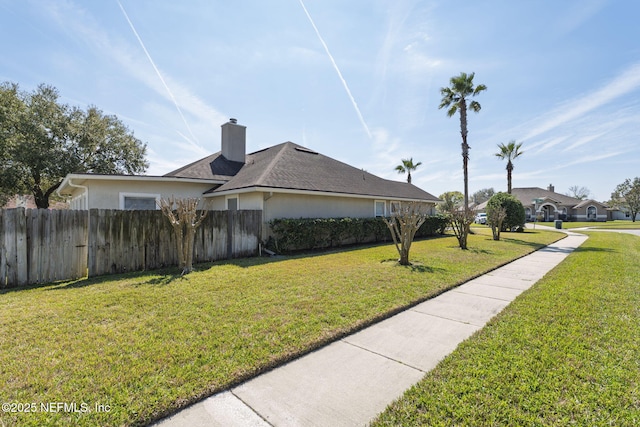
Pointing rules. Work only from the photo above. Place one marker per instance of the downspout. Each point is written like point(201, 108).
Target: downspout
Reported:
point(86, 191)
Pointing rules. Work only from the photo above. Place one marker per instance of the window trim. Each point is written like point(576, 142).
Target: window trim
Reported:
point(124, 195)
point(375, 208)
point(232, 196)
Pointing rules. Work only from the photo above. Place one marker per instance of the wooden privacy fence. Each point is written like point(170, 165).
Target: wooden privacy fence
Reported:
point(42, 246)
point(121, 241)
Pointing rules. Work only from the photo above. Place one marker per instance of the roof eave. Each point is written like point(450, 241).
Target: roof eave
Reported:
point(87, 176)
point(253, 189)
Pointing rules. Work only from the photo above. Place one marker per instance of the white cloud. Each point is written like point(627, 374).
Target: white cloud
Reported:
point(626, 82)
point(80, 24)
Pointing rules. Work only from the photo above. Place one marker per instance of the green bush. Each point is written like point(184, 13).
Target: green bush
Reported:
point(434, 225)
point(322, 233)
point(515, 211)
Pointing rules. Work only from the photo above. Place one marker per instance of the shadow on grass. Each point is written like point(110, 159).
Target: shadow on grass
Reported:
point(161, 277)
point(521, 242)
point(592, 249)
point(416, 267)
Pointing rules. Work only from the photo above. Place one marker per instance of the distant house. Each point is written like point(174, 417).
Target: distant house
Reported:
point(621, 213)
point(284, 181)
point(27, 201)
point(547, 205)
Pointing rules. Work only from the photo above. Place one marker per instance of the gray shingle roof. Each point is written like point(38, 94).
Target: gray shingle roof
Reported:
point(589, 202)
point(214, 166)
point(527, 194)
point(293, 167)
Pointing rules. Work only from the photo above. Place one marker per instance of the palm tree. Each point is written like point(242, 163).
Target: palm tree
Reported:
point(407, 166)
point(455, 99)
point(509, 151)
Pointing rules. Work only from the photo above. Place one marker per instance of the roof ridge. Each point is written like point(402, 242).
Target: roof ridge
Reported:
point(267, 170)
point(182, 168)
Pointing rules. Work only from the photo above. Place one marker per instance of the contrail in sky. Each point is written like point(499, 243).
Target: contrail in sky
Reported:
point(159, 74)
point(335, 66)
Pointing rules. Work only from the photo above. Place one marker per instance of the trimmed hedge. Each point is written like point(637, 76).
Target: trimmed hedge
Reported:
point(322, 233)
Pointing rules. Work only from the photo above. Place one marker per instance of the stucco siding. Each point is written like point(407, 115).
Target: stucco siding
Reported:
point(308, 206)
point(106, 194)
point(251, 201)
point(216, 203)
point(622, 215)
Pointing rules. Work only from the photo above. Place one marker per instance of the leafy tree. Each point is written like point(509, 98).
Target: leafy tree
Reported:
point(455, 98)
point(43, 140)
point(578, 192)
point(483, 195)
point(509, 151)
point(451, 201)
point(9, 111)
point(515, 215)
point(627, 196)
point(406, 167)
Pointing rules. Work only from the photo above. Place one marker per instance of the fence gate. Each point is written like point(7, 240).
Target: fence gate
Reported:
point(42, 246)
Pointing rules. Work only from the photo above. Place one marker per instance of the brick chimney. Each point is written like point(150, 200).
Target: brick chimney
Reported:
point(234, 141)
point(551, 188)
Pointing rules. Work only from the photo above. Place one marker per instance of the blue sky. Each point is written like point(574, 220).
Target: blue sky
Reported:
point(357, 80)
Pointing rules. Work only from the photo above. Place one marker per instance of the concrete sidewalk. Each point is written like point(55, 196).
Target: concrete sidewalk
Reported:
point(349, 382)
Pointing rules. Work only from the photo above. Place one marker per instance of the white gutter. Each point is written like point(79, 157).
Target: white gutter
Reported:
point(314, 193)
point(99, 177)
point(85, 192)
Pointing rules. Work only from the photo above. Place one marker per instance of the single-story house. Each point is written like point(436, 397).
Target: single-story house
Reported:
point(621, 213)
point(284, 181)
point(548, 205)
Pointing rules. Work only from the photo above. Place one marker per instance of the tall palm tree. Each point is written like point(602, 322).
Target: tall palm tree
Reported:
point(455, 98)
point(509, 151)
point(407, 166)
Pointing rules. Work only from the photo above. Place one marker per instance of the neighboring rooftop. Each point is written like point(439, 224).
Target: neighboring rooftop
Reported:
point(526, 195)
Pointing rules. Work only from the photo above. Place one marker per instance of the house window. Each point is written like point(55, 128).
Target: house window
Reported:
point(232, 203)
point(395, 207)
point(139, 201)
point(380, 208)
point(592, 212)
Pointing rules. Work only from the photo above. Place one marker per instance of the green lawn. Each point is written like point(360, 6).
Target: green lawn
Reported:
point(147, 344)
point(566, 352)
point(622, 225)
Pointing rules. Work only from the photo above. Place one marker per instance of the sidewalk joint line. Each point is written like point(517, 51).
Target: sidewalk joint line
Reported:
point(251, 408)
point(448, 318)
point(484, 296)
point(476, 295)
point(382, 355)
point(506, 287)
